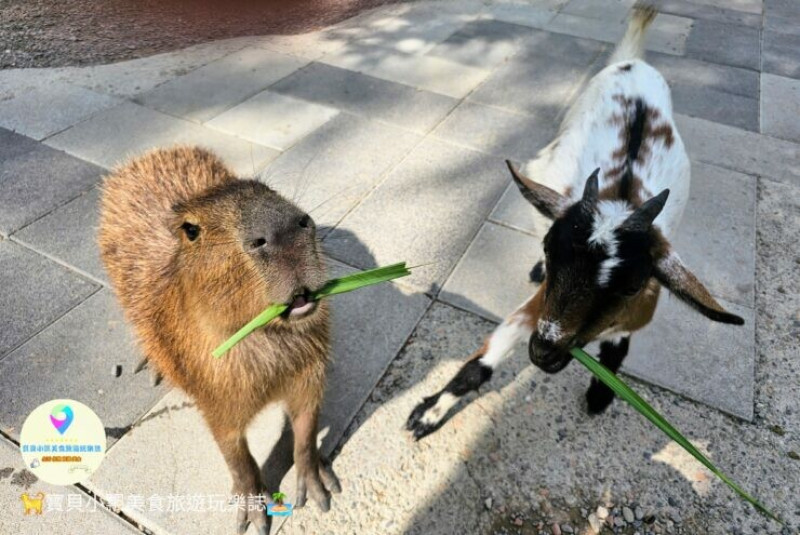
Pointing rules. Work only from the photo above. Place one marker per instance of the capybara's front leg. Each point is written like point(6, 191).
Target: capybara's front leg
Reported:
point(247, 485)
point(315, 475)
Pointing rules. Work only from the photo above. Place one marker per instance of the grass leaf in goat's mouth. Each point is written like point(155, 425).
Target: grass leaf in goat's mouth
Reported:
point(625, 392)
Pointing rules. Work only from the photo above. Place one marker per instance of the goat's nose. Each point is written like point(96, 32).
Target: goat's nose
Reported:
point(547, 355)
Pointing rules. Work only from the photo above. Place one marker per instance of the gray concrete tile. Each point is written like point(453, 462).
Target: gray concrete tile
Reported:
point(506, 134)
point(513, 210)
point(34, 292)
point(110, 137)
point(272, 119)
point(39, 180)
point(589, 28)
point(130, 78)
point(715, 13)
point(74, 358)
point(682, 72)
point(491, 279)
point(69, 234)
point(535, 85)
point(614, 10)
point(424, 72)
point(44, 111)
point(331, 170)
point(368, 96)
point(565, 48)
point(780, 107)
point(744, 151)
point(668, 34)
point(12, 145)
point(717, 235)
point(208, 91)
point(431, 205)
point(779, 54)
point(89, 518)
point(706, 361)
point(728, 44)
point(363, 346)
point(531, 15)
point(753, 7)
point(782, 16)
point(716, 106)
point(483, 43)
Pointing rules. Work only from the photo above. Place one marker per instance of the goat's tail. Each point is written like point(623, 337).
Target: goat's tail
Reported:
point(632, 44)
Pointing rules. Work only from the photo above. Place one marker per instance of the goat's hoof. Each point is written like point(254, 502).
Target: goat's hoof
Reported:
point(537, 273)
point(418, 424)
point(598, 398)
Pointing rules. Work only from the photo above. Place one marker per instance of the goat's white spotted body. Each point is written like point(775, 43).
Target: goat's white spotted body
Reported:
point(591, 135)
point(503, 340)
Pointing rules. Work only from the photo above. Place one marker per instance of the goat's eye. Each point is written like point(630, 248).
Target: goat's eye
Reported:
point(192, 231)
point(306, 221)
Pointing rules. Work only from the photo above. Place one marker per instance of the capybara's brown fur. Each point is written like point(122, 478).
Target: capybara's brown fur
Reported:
point(194, 253)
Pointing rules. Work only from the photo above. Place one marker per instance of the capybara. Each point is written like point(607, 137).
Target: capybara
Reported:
point(194, 253)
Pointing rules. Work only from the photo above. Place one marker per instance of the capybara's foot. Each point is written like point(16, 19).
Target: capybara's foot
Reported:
point(253, 510)
point(319, 482)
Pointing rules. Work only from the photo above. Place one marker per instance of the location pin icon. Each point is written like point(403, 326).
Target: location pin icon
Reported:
point(61, 417)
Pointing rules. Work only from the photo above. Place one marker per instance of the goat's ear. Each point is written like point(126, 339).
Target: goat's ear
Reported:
point(678, 279)
point(549, 202)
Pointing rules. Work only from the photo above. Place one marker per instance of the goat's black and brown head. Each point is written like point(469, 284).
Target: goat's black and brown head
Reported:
point(604, 260)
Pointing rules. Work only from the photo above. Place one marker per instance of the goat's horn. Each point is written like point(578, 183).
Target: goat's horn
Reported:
point(642, 217)
point(590, 190)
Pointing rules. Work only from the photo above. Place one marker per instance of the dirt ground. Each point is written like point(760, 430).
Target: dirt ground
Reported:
point(49, 33)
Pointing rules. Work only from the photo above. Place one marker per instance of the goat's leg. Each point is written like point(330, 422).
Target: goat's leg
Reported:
point(430, 414)
point(315, 475)
point(612, 353)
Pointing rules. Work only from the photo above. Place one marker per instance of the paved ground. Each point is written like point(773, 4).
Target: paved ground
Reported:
point(391, 128)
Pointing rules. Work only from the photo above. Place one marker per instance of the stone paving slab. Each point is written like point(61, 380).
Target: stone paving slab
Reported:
point(494, 272)
point(744, 151)
point(272, 120)
point(74, 358)
point(536, 85)
point(499, 132)
point(782, 16)
point(709, 362)
point(425, 72)
point(13, 145)
point(40, 113)
point(725, 13)
point(484, 44)
point(331, 170)
point(28, 308)
point(779, 54)
point(531, 15)
point(613, 11)
point(364, 344)
point(130, 78)
point(367, 96)
point(89, 520)
point(431, 205)
point(780, 106)
point(69, 235)
point(742, 44)
point(717, 235)
point(37, 181)
point(208, 91)
point(111, 137)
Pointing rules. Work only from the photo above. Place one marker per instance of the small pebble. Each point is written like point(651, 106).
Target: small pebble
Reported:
point(673, 502)
point(518, 521)
point(488, 503)
point(556, 529)
point(117, 370)
point(602, 512)
point(639, 512)
point(627, 514)
point(566, 528)
point(595, 523)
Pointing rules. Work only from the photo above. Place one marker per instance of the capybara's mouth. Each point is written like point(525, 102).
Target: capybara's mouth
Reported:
point(301, 305)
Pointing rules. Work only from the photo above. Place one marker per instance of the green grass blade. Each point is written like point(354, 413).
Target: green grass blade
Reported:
point(626, 393)
point(332, 287)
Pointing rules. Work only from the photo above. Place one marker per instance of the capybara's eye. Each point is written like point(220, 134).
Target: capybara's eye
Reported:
point(258, 242)
point(192, 231)
point(306, 221)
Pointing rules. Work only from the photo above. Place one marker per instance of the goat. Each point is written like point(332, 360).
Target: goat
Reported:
point(607, 252)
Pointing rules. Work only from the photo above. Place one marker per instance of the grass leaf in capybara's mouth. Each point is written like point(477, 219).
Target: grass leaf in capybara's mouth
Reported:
point(332, 287)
